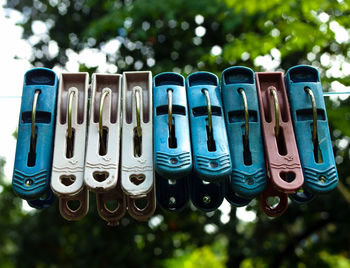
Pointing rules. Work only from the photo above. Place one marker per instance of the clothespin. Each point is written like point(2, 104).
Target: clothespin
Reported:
point(32, 168)
point(69, 154)
point(311, 129)
point(111, 205)
point(271, 192)
point(141, 208)
point(240, 101)
point(232, 197)
point(279, 141)
point(172, 194)
point(137, 171)
point(172, 143)
point(206, 196)
point(74, 207)
point(172, 147)
point(103, 144)
point(210, 148)
point(301, 196)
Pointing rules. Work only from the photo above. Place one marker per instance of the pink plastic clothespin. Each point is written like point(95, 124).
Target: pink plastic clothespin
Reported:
point(281, 151)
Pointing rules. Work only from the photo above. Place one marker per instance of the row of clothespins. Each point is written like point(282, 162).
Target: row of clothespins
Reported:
point(255, 135)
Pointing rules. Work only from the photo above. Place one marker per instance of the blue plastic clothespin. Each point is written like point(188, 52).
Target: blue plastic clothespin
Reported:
point(311, 129)
point(172, 144)
point(240, 101)
point(211, 154)
point(32, 168)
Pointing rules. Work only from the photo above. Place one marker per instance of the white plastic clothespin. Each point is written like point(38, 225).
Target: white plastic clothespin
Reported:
point(137, 134)
point(103, 144)
point(69, 154)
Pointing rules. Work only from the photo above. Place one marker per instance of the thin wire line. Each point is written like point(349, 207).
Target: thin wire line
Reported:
point(335, 93)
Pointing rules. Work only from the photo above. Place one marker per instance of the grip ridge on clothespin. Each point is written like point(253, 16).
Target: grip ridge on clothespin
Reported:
point(33, 160)
point(137, 134)
point(69, 154)
point(103, 144)
point(311, 128)
point(210, 149)
point(172, 145)
point(279, 141)
point(242, 117)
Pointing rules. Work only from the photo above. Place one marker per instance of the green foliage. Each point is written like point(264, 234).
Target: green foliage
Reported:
point(166, 36)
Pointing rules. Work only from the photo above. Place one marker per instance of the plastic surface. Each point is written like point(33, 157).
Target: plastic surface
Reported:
point(111, 206)
point(102, 154)
point(206, 196)
point(248, 177)
point(137, 170)
point(75, 207)
point(320, 172)
point(32, 168)
point(172, 195)
point(211, 160)
point(68, 171)
point(232, 197)
point(281, 152)
point(172, 158)
point(268, 198)
point(301, 197)
point(142, 208)
point(43, 202)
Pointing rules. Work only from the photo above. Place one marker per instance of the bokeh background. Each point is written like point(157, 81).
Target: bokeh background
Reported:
point(180, 36)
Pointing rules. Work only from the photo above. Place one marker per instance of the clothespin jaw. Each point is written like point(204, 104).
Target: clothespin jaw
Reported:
point(43, 202)
point(172, 195)
point(137, 172)
point(211, 155)
point(242, 119)
point(206, 196)
point(111, 205)
point(103, 143)
point(75, 207)
point(311, 128)
point(172, 145)
point(69, 154)
point(232, 197)
point(141, 208)
point(32, 168)
point(302, 196)
point(280, 147)
point(271, 192)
